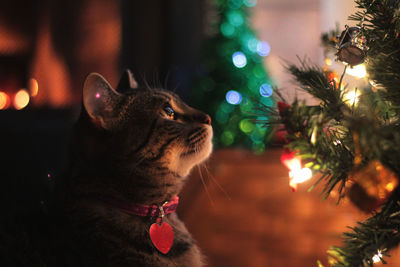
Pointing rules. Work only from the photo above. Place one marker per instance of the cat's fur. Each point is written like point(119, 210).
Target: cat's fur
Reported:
point(126, 145)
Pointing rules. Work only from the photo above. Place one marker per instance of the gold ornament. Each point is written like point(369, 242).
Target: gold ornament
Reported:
point(371, 186)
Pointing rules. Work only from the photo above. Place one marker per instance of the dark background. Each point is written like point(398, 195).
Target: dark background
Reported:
point(59, 43)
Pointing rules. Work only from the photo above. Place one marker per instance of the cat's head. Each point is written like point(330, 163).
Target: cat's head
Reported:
point(137, 142)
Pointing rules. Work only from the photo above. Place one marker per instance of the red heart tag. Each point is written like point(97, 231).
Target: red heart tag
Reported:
point(162, 236)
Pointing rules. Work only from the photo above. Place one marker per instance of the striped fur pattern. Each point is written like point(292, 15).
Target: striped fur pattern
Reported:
point(138, 145)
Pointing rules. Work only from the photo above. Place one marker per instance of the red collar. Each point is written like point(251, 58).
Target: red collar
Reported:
point(144, 210)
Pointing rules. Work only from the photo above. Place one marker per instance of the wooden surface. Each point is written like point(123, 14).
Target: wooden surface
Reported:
point(243, 213)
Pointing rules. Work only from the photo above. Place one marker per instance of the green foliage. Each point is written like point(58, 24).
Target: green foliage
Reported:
point(323, 135)
point(219, 75)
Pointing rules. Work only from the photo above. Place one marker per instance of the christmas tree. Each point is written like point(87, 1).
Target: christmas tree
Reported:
point(233, 76)
point(352, 144)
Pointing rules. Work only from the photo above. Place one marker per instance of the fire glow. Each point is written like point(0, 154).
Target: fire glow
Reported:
point(297, 174)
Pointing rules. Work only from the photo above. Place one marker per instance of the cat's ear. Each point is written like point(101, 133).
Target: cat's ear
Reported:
point(126, 82)
point(100, 99)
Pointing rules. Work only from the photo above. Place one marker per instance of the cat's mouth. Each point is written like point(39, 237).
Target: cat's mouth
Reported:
point(199, 142)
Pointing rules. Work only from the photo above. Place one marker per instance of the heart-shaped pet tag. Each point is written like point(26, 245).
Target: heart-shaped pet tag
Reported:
point(162, 236)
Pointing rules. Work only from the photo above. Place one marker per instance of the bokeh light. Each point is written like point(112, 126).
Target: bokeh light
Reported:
point(239, 59)
point(351, 97)
point(328, 61)
point(246, 126)
point(4, 100)
point(252, 44)
point(235, 3)
point(266, 90)
point(33, 87)
point(250, 3)
point(227, 29)
point(21, 99)
point(358, 71)
point(221, 116)
point(263, 48)
point(227, 138)
point(233, 97)
point(259, 71)
point(225, 107)
point(235, 18)
point(247, 106)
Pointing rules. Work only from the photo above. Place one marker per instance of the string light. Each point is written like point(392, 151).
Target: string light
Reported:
point(252, 44)
point(328, 61)
point(4, 100)
point(246, 126)
point(239, 59)
point(227, 29)
point(21, 99)
point(337, 142)
point(352, 97)
point(297, 174)
point(263, 48)
point(250, 3)
point(235, 18)
point(233, 97)
point(358, 71)
point(33, 86)
point(243, 79)
point(377, 258)
point(265, 90)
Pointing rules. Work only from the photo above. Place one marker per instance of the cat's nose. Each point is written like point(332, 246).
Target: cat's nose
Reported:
point(207, 119)
point(202, 118)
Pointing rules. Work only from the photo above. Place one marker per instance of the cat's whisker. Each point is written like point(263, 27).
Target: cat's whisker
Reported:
point(212, 178)
point(205, 186)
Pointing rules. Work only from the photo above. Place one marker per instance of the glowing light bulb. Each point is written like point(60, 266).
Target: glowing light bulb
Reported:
point(263, 48)
point(297, 174)
point(358, 71)
point(98, 95)
point(328, 61)
point(290, 160)
point(377, 258)
point(4, 100)
point(21, 99)
point(265, 90)
point(233, 97)
point(337, 142)
point(300, 175)
point(351, 97)
point(239, 59)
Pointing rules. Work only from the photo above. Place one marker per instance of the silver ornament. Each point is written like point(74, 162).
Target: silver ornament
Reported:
point(352, 46)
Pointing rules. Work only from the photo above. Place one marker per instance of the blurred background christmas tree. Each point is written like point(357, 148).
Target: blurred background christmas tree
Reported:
point(233, 77)
point(351, 140)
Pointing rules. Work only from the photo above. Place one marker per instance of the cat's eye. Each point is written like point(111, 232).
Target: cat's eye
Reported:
point(169, 112)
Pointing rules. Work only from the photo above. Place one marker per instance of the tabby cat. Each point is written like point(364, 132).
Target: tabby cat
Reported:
point(131, 145)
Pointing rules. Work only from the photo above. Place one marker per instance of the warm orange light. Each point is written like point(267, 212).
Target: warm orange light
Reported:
point(291, 162)
point(33, 87)
point(328, 61)
point(377, 257)
point(297, 174)
point(4, 100)
point(21, 99)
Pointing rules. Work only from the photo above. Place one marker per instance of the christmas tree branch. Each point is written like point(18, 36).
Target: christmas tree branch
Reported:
point(370, 241)
point(381, 23)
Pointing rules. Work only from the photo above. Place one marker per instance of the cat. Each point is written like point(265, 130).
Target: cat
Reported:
point(131, 146)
